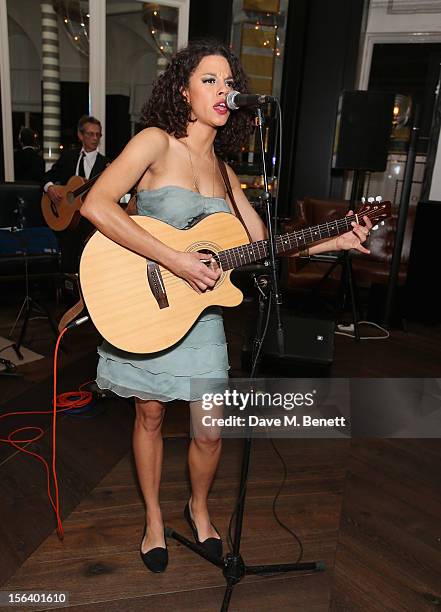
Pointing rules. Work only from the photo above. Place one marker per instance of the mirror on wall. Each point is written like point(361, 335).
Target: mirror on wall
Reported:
point(141, 37)
point(412, 72)
point(49, 67)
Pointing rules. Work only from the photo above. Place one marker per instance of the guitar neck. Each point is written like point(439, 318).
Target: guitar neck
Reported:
point(83, 188)
point(292, 241)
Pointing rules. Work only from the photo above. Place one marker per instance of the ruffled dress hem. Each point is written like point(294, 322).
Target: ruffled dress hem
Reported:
point(154, 394)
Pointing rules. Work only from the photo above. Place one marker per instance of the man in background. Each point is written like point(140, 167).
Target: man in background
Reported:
point(28, 163)
point(85, 161)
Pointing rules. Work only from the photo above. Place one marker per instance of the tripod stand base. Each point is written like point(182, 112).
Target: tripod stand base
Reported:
point(10, 368)
point(310, 566)
point(31, 307)
point(234, 568)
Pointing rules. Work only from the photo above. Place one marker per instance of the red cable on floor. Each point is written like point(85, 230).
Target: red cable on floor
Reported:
point(65, 401)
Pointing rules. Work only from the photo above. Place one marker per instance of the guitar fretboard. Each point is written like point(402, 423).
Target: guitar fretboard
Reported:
point(292, 241)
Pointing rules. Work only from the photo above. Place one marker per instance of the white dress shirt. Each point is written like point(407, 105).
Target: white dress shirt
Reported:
point(89, 161)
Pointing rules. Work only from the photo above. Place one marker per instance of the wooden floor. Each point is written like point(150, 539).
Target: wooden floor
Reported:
point(371, 509)
point(389, 544)
point(99, 562)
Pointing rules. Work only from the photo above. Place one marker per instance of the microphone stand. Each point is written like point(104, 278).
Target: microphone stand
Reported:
point(267, 199)
point(233, 565)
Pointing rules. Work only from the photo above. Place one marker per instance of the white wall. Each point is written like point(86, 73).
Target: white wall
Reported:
point(25, 67)
point(380, 20)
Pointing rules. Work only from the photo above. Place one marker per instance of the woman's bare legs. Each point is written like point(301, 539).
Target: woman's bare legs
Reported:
point(203, 459)
point(148, 451)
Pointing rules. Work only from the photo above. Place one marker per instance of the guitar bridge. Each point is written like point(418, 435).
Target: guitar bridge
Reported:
point(156, 284)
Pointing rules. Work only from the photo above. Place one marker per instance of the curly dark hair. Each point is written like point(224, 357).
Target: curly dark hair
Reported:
point(168, 109)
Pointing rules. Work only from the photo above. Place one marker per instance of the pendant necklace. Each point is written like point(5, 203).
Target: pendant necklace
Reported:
point(195, 176)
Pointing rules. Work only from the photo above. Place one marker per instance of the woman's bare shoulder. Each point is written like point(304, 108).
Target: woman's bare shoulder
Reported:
point(145, 148)
point(153, 136)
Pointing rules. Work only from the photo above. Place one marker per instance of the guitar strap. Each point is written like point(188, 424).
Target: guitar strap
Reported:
point(224, 172)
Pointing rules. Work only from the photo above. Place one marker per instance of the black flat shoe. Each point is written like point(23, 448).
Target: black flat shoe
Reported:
point(155, 559)
point(213, 546)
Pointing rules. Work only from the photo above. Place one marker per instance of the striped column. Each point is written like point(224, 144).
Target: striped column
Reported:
point(51, 82)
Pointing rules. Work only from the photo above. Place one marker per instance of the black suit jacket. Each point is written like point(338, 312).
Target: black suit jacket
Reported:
point(66, 165)
point(72, 241)
point(28, 165)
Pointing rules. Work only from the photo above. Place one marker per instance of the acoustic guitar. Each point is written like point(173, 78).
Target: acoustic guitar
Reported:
point(66, 215)
point(141, 307)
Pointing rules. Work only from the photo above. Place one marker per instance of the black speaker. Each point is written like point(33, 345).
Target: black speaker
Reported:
point(362, 131)
point(309, 345)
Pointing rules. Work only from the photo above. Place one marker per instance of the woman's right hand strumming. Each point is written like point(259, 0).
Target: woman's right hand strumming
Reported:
point(191, 268)
point(146, 150)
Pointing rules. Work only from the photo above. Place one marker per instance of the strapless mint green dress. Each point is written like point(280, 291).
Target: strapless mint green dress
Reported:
point(179, 371)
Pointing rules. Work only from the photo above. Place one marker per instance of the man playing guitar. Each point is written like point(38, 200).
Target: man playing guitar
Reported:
point(86, 162)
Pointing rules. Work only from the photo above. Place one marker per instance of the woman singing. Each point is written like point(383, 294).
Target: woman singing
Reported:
point(174, 162)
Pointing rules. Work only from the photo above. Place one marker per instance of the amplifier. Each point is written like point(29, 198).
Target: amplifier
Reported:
point(308, 344)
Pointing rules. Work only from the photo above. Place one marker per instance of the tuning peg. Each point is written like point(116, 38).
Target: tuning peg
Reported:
point(374, 228)
point(363, 200)
point(378, 199)
point(382, 223)
point(371, 199)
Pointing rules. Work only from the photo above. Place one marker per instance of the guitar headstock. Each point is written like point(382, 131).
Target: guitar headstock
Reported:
point(375, 209)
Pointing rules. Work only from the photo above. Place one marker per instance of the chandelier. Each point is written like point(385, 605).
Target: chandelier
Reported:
point(75, 18)
point(162, 26)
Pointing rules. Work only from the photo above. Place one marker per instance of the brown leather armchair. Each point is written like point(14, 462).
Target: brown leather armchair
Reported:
point(370, 269)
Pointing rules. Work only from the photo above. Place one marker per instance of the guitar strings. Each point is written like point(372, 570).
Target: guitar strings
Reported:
point(173, 280)
point(302, 235)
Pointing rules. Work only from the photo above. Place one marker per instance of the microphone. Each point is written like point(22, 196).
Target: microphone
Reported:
point(235, 100)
